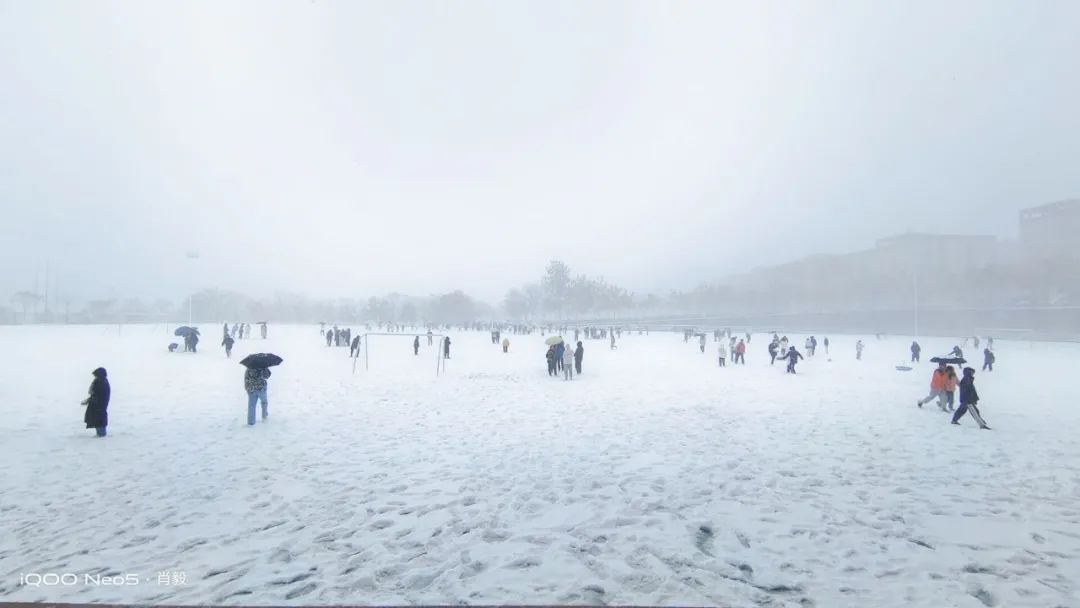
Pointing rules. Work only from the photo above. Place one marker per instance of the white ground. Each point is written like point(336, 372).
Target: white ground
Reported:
point(656, 478)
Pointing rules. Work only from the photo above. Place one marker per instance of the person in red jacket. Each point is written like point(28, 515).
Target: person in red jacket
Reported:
point(740, 352)
point(937, 387)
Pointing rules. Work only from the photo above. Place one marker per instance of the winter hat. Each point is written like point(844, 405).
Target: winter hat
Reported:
point(969, 371)
point(100, 372)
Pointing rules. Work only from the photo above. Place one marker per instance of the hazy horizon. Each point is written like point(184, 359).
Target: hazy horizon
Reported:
point(341, 149)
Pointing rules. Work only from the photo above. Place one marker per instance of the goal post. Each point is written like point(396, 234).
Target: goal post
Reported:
point(440, 363)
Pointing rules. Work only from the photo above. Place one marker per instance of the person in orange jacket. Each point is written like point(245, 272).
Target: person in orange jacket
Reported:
point(950, 388)
point(937, 387)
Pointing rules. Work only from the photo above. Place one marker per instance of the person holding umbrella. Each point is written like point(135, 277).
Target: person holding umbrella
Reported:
point(255, 378)
point(97, 404)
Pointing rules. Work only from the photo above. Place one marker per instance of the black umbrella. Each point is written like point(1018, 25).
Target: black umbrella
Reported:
point(261, 360)
point(184, 330)
point(949, 360)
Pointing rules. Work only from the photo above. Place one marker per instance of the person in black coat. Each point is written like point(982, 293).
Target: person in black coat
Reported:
point(792, 357)
point(915, 351)
point(579, 353)
point(446, 347)
point(988, 360)
point(969, 398)
point(416, 345)
point(774, 346)
point(97, 404)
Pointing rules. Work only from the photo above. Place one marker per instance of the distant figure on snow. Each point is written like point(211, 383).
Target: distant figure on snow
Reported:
point(429, 337)
point(579, 354)
point(416, 346)
point(701, 343)
point(506, 345)
point(329, 336)
point(740, 352)
point(826, 343)
point(550, 357)
point(97, 404)
point(262, 329)
point(859, 346)
point(916, 350)
point(774, 350)
point(950, 388)
point(255, 385)
point(613, 341)
point(446, 347)
point(988, 360)
point(969, 398)
point(227, 341)
point(568, 363)
point(956, 352)
point(721, 353)
point(354, 348)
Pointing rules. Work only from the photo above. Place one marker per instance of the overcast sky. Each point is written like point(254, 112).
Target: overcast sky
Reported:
point(355, 148)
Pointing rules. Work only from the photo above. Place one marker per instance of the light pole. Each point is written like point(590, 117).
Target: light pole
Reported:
point(191, 255)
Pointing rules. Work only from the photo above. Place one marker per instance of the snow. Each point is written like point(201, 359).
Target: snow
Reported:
point(654, 478)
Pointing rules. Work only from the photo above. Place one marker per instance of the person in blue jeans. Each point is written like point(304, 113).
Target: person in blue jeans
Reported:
point(255, 385)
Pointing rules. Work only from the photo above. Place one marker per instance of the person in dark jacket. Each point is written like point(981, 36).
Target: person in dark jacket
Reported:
point(550, 356)
point(329, 336)
point(774, 347)
point(792, 357)
point(446, 347)
point(956, 352)
point(227, 341)
point(255, 385)
point(560, 348)
point(354, 348)
point(416, 345)
point(97, 404)
point(194, 342)
point(969, 398)
point(916, 350)
point(579, 353)
point(988, 360)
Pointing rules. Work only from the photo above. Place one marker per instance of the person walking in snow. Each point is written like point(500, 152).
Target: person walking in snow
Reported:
point(354, 348)
point(988, 360)
point(740, 352)
point(429, 337)
point(916, 350)
point(969, 399)
point(568, 363)
point(97, 403)
point(721, 353)
point(937, 387)
point(579, 354)
point(550, 357)
point(774, 348)
point(950, 388)
point(956, 352)
point(813, 345)
point(255, 385)
point(792, 357)
point(506, 345)
point(329, 337)
point(826, 343)
point(783, 344)
point(416, 346)
point(612, 340)
point(227, 342)
point(262, 329)
point(859, 346)
point(560, 348)
point(446, 347)
point(701, 343)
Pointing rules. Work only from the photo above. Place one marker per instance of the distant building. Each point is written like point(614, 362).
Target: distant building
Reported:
point(920, 250)
point(1049, 231)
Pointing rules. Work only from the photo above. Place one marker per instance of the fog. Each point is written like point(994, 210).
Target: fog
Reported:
point(354, 148)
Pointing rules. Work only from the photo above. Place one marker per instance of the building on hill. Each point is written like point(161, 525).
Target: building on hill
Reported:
point(1048, 231)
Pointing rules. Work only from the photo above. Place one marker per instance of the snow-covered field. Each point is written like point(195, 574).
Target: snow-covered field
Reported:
point(656, 478)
